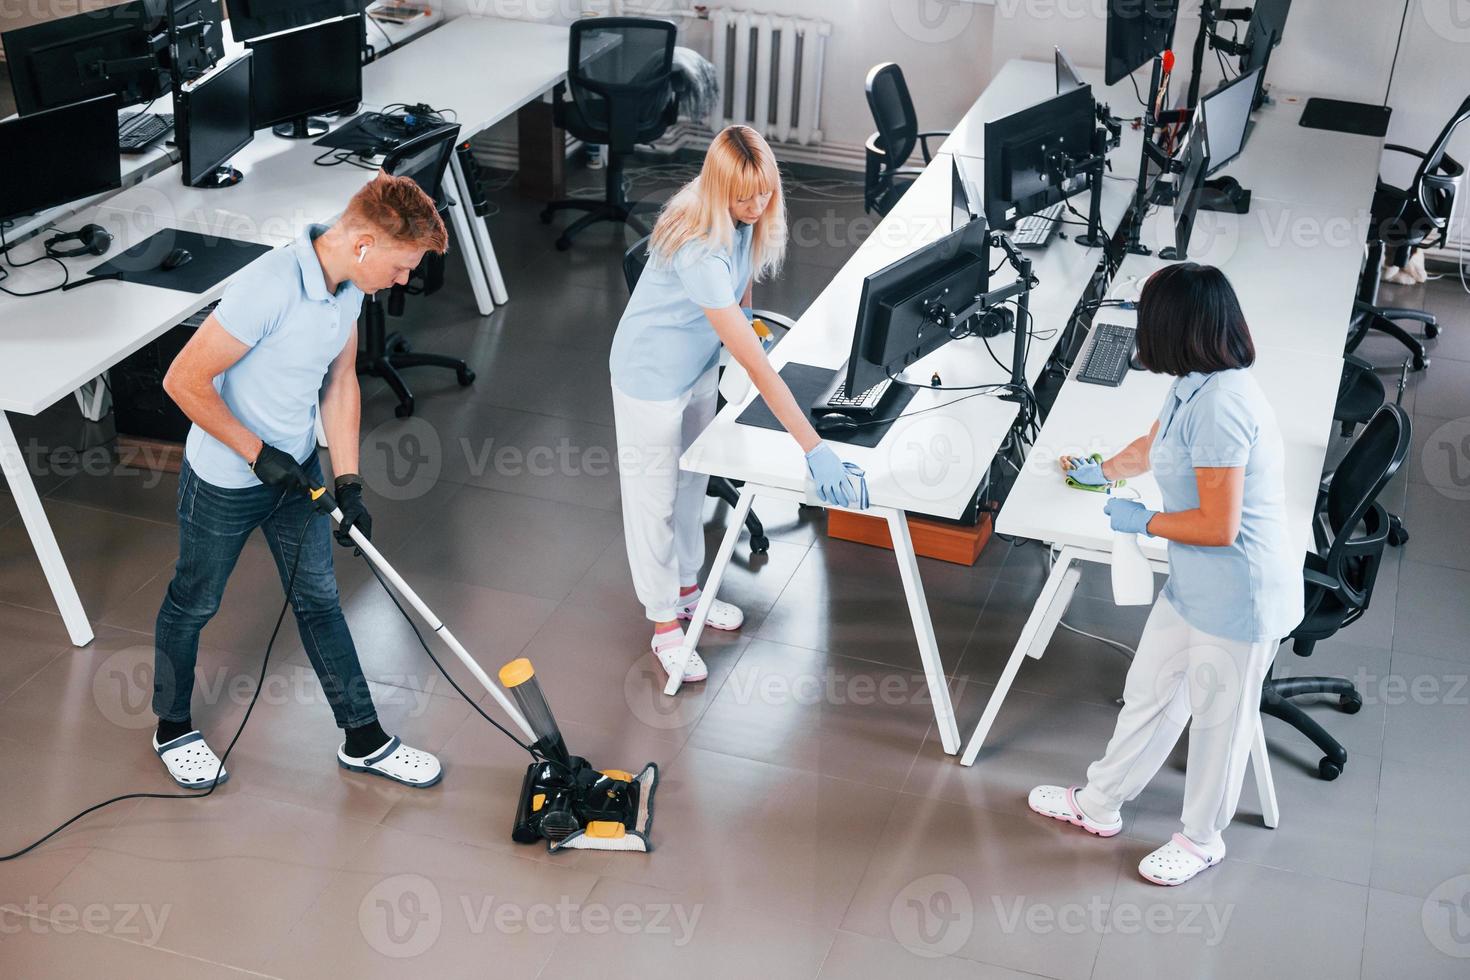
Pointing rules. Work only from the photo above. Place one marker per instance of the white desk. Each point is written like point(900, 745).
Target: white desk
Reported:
point(1296, 289)
point(771, 464)
point(484, 69)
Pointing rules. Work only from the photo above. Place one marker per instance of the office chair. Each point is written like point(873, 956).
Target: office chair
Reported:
point(1341, 572)
point(1406, 218)
point(888, 149)
point(1359, 395)
point(424, 158)
point(634, 261)
point(622, 93)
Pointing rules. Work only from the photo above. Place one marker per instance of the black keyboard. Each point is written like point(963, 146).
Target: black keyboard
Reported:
point(141, 130)
point(1107, 360)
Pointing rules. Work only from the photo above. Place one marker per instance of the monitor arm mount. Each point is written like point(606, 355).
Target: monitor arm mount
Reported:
point(986, 316)
point(1062, 167)
point(1210, 16)
point(1153, 117)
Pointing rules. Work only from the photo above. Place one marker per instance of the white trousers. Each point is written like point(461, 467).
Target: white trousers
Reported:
point(1184, 676)
point(663, 508)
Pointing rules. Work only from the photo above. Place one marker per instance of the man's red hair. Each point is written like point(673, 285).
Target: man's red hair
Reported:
point(399, 209)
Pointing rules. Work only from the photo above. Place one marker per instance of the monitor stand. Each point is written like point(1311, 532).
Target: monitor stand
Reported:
point(225, 176)
point(304, 128)
point(1225, 195)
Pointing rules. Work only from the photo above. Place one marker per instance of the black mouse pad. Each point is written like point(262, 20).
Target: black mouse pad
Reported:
point(1358, 118)
point(215, 260)
point(807, 384)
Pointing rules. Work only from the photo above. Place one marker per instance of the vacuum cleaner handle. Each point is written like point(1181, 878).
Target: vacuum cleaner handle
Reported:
point(328, 505)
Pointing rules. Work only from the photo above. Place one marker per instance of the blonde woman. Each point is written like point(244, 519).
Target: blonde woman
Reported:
point(721, 233)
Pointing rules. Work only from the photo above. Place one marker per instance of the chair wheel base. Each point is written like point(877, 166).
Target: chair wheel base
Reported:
point(1431, 330)
point(1351, 704)
point(466, 378)
point(760, 545)
point(1328, 770)
point(403, 409)
point(563, 244)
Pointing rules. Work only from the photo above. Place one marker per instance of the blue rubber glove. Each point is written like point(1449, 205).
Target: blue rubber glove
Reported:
point(1088, 471)
point(834, 484)
point(1128, 515)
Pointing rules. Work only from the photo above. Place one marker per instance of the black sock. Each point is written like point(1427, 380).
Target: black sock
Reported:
point(170, 730)
point(365, 739)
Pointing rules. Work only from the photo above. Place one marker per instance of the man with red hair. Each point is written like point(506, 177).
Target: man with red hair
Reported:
point(284, 334)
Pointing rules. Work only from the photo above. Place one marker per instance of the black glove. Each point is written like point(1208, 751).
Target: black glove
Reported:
point(354, 513)
point(277, 469)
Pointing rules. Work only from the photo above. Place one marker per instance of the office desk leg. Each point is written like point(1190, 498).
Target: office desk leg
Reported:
point(461, 215)
point(481, 234)
point(1265, 786)
point(913, 587)
point(711, 586)
point(94, 399)
point(42, 538)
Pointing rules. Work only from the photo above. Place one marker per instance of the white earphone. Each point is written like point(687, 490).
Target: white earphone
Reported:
point(362, 253)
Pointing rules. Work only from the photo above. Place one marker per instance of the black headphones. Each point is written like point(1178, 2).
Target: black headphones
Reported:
point(93, 239)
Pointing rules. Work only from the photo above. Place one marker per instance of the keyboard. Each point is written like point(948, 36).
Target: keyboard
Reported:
point(864, 401)
point(1107, 359)
point(196, 319)
point(1035, 230)
point(141, 130)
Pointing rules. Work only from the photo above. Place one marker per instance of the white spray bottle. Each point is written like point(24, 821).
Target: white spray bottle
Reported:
point(1133, 576)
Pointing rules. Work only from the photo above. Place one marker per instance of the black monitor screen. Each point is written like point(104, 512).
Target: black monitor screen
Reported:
point(1137, 31)
point(250, 19)
point(100, 52)
point(1271, 14)
point(213, 120)
point(1191, 183)
point(1226, 112)
point(60, 155)
point(315, 69)
point(1067, 77)
point(1024, 150)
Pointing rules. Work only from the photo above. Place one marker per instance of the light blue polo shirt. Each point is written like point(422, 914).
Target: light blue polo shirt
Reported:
point(1252, 589)
point(279, 307)
point(664, 342)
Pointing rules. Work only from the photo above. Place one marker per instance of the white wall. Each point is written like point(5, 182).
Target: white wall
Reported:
point(944, 47)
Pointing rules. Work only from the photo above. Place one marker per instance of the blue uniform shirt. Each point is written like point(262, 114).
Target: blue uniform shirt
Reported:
point(278, 306)
point(665, 343)
point(1251, 589)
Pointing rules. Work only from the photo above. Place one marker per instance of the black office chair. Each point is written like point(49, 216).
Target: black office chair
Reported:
point(1403, 219)
point(1350, 532)
point(424, 158)
point(1360, 394)
point(634, 261)
point(888, 149)
point(620, 78)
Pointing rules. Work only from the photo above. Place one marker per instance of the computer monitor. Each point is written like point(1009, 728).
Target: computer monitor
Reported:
point(111, 51)
point(1025, 152)
point(1191, 187)
point(58, 155)
point(895, 325)
point(1227, 113)
point(250, 19)
point(303, 72)
point(1067, 77)
point(212, 124)
point(1137, 30)
point(1270, 13)
point(965, 200)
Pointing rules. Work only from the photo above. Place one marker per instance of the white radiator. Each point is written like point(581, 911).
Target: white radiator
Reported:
point(770, 70)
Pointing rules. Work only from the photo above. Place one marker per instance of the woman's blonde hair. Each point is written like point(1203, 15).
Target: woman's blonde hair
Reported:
point(738, 165)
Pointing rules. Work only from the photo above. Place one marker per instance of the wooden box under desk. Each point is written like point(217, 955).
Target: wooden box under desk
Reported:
point(943, 540)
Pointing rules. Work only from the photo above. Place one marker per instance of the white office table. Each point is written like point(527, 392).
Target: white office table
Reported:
point(484, 69)
point(771, 464)
point(1296, 290)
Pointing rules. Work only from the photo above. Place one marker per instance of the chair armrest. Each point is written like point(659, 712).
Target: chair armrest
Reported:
point(1400, 148)
point(774, 319)
point(1320, 579)
point(924, 142)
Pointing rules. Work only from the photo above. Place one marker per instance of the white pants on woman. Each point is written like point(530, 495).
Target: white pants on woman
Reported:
point(663, 508)
point(1184, 676)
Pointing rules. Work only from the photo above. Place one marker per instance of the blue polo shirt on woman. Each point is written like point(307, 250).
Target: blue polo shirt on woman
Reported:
point(664, 342)
point(1251, 589)
point(279, 307)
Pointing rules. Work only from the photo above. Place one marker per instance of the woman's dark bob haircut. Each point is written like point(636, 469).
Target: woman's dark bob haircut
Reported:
point(1189, 320)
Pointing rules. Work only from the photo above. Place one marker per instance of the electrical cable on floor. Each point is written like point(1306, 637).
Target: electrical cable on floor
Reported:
point(1124, 648)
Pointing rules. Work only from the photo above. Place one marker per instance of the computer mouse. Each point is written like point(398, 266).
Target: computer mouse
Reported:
point(835, 424)
point(1134, 362)
point(176, 258)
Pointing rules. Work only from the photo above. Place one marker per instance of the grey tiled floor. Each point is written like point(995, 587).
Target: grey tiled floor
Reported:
point(808, 824)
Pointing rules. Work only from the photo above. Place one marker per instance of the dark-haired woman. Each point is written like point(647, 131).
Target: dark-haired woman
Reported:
point(1235, 583)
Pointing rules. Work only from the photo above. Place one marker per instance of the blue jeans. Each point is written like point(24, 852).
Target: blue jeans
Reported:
point(214, 524)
